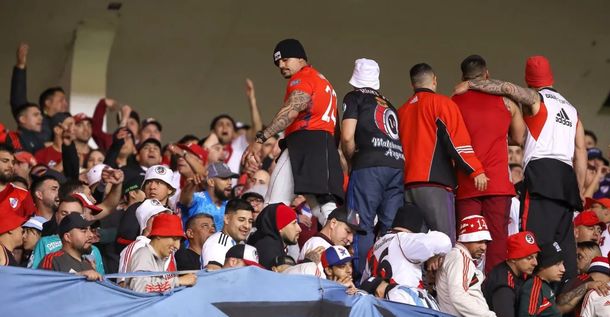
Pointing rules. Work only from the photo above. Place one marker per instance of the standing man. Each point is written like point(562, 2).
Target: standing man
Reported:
point(459, 281)
point(369, 139)
point(435, 139)
point(489, 119)
point(554, 171)
point(309, 164)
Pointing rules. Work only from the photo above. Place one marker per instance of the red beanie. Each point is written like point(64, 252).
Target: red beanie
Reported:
point(520, 245)
point(538, 72)
point(284, 215)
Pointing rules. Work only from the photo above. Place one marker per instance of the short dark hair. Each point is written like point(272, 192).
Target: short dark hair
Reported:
point(222, 116)
point(7, 148)
point(88, 155)
point(191, 221)
point(22, 109)
point(48, 94)
point(69, 187)
point(588, 245)
point(37, 182)
point(592, 135)
point(473, 66)
point(19, 179)
point(418, 72)
point(236, 204)
point(188, 138)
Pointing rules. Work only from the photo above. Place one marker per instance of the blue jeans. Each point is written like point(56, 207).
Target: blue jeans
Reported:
point(373, 191)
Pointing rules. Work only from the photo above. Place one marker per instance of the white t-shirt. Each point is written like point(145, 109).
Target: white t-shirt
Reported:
point(311, 244)
point(594, 305)
point(309, 268)
point(215, 248)
point(239, 146)
point(604, 242)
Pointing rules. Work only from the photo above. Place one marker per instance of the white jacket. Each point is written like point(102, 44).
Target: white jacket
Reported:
point(458, 285)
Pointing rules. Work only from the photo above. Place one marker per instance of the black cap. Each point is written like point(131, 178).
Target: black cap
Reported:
point(550, 254)
point(350, 217)
point(371, 284)
point(59, 118)
point(72, 221)
point(132, 182)
point(596, 154)
point(410, 217)
point(150, 140)
point(288, 48)
point(148, 121)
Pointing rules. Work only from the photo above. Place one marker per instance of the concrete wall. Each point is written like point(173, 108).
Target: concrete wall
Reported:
point(185, 61)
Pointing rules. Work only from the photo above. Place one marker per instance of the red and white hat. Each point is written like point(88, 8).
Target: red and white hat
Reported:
point(520, 245)
point(599, 264)
point(473, 229)
point(86, 202)
point(161, 173)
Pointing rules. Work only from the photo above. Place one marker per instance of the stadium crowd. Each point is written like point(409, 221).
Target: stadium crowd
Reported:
point(492, 202)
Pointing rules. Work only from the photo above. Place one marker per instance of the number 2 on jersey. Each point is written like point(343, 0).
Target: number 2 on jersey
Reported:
point(329, 114)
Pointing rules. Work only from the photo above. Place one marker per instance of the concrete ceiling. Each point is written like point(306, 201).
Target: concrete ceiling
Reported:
point(185, 61)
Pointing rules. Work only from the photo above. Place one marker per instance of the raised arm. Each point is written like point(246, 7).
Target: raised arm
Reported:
point(18, 80)
point(255, 114)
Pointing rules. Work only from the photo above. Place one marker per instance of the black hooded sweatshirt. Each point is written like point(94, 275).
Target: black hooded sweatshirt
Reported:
point(267, 239)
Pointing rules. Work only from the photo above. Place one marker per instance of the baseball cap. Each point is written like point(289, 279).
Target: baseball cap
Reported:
point(10, 221)
point(550, 254)
point(161, 173)
point(166, 225)
point(25, 157)
point(195, 149)
point(147, 141)
point(602, 201)
point(520, 245)
point(371, 284)
point(59, 118)
point(94, 175)
point(220, 170)
point(473, 229)
point(84, 200)
point(335, 255)
point(73, 220)
point(538, 72)
point(148, 121)
point(246, 252)
point(283, 260)
point(588, 218)
point(410, 217)
point(258, 191)
point(146, 210)
point(599, 264)
point(366, 74)
point(80, 117)
point(132, 182)
point(288, 48)
point(35, 222)
point(241, 125)
point(349, 217)
point(596, 154)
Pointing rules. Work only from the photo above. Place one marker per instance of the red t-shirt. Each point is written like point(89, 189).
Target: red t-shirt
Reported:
point(48, 156)
point(18, 200)
point(487, 120)
point(323, 111)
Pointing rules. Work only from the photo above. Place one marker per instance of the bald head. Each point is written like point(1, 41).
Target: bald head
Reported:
point(422, 76)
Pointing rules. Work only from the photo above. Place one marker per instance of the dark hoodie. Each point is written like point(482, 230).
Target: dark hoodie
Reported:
point(267, 239)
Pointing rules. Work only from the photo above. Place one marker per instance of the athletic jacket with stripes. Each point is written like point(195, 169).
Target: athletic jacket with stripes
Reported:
point(434, 139)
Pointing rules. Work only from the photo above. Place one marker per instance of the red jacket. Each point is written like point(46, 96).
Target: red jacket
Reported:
point(434, 139)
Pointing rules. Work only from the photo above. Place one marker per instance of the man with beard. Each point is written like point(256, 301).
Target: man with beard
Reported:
point(213, 200)
point(76, 237)
point(237, 224)
point(12, 198)
point(277, 229)
point(45, 192)
point(459, 281)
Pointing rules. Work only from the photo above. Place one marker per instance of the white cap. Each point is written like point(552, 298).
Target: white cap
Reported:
point(161, 173)
point(146, 210)
point(94, 174)
point(366, 74)
point(35, 222)
point(473, 229)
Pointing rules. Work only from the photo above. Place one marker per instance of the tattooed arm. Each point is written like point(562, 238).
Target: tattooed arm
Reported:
point(297, 102)
point(568, 301)
point(527, 97)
